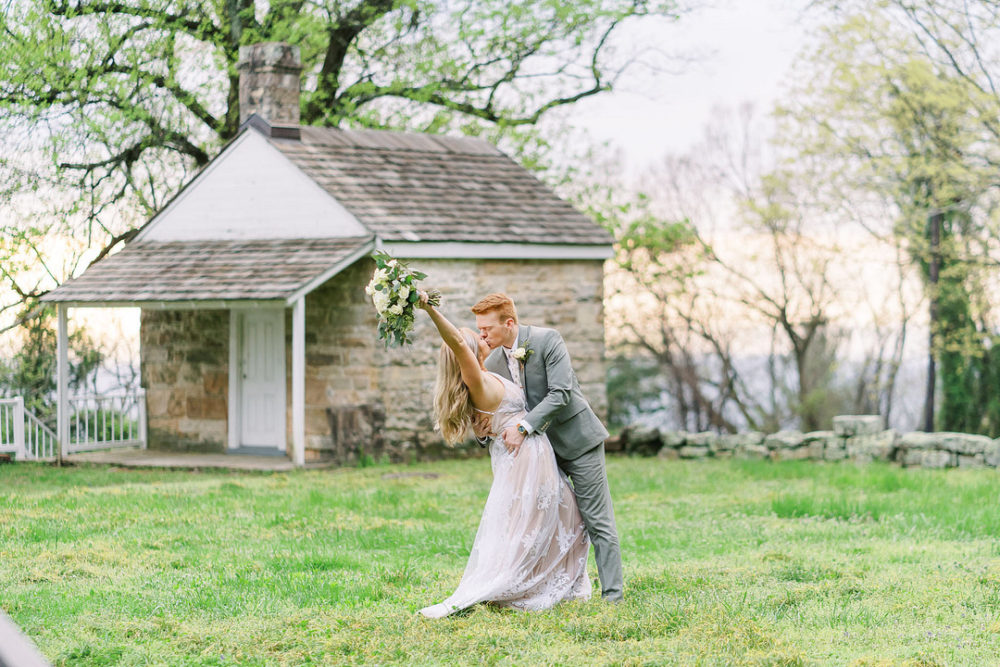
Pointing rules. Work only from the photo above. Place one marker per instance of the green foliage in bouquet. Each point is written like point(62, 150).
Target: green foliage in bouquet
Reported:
point(393, 290)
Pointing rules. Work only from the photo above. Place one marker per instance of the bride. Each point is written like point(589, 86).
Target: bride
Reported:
point(531, 548)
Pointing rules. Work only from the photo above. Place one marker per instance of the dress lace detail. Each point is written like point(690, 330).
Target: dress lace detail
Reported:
point(530, 551)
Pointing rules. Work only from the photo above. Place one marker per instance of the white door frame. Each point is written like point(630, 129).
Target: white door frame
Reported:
point(236, 376)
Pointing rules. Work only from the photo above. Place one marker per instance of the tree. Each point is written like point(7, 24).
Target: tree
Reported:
point(892, 124)
point(108, 105)
point(31, 370)
point(728, 284)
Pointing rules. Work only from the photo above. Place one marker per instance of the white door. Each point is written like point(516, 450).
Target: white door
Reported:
point(262, 379)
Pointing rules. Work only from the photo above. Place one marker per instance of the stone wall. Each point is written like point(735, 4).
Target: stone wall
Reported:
point(185, 370)
point(858, 438)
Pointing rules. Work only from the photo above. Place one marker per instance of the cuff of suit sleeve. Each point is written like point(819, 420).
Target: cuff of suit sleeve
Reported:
point(527, 427)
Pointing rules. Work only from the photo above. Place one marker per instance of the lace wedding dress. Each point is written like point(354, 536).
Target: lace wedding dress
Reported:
point(531, 548)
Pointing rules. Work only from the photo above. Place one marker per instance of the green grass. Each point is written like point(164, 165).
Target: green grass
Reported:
point(727, 563)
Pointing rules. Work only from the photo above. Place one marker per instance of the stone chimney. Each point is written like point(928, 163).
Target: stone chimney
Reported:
point(269, 82)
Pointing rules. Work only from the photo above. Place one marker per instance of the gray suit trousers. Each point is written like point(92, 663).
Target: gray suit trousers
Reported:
point(590, 485)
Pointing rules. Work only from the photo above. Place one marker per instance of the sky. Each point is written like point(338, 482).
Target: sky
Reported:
point(745, 50)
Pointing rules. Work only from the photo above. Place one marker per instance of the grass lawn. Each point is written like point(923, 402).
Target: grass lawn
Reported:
point(726, 562)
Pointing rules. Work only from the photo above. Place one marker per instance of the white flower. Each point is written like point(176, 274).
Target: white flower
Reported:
point(520, 353)
point(381, 276)
point(370, 289)
point(381, 301)
point(404, 292)
point(396, 309)
point(393, 263)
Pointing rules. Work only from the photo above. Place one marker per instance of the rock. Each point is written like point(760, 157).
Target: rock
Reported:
point(673, 439)
point(726, 442)
point(877, 447)
point(668, 454)
point(704, 439)
point(823, 436)
point(814, 450)
point(848, 425)
point(753, 452)
point(917, 440)
point(964, 443)
point(733, 441)
point(834, 453)
point(783, 440)
point(642, 440)
point(614, 443)
point(797, 454)
point(974, 461)
point(960, 443)
point(937, 459)
point(992, 454)
point(912, 457)
point(817, 442)
point(692, 452)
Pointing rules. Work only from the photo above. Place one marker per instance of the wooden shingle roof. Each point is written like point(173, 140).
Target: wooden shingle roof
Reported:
point(417, 187)
point(402, 188)
point(210, 270)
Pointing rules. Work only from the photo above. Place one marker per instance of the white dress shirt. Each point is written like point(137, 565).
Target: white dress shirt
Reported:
point(515, 374)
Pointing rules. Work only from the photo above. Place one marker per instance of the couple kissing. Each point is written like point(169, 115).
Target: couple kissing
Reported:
point(549, 500)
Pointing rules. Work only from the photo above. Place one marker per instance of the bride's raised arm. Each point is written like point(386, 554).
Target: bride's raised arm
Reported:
point(472, 371)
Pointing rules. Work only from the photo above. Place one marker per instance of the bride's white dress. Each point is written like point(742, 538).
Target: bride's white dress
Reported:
point(531, 548)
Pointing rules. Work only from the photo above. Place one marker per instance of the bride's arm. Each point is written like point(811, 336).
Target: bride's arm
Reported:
point(472, 372)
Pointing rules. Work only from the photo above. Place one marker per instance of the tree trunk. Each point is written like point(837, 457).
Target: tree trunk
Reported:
point(933, 272)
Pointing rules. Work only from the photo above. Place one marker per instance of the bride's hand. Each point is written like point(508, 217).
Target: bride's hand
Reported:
point(422, 302)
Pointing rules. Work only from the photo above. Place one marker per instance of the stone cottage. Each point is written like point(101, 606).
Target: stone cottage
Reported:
point(256, 333)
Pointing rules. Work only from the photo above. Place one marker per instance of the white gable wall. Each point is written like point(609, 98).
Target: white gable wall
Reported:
point(252, 191)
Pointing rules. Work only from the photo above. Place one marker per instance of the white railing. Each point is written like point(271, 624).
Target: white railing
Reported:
point(103, 421)
point(12, 427)
point(40, 443)
point(95, 422)
point(22, 434)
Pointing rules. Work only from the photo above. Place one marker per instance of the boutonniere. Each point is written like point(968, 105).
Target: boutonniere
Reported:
point(523, 351)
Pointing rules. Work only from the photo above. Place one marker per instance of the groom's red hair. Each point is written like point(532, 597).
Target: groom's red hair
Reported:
point(500, 303)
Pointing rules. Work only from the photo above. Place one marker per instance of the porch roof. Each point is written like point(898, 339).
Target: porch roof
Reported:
point(212, 271)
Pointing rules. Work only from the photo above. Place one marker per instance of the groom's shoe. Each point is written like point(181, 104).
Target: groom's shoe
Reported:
point(613, 598)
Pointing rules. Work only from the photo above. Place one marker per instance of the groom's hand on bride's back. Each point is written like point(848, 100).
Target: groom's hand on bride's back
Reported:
point(481, 425)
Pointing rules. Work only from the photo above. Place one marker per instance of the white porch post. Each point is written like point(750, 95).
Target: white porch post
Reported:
point(233, 395)
point(62, 384)
point(19, 444)
point(299, 381)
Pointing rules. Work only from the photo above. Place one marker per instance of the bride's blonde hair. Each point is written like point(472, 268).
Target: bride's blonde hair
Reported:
point(452, 403)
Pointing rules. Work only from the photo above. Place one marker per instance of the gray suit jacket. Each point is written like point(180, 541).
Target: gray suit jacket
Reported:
point(556, 406)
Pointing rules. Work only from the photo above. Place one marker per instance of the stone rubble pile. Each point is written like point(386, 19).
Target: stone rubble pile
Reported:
point(858, 438)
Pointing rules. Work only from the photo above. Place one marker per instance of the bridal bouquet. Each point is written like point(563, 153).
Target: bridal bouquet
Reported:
point(393, 289)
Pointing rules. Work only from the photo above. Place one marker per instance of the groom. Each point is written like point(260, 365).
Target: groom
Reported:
point(537, 360)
